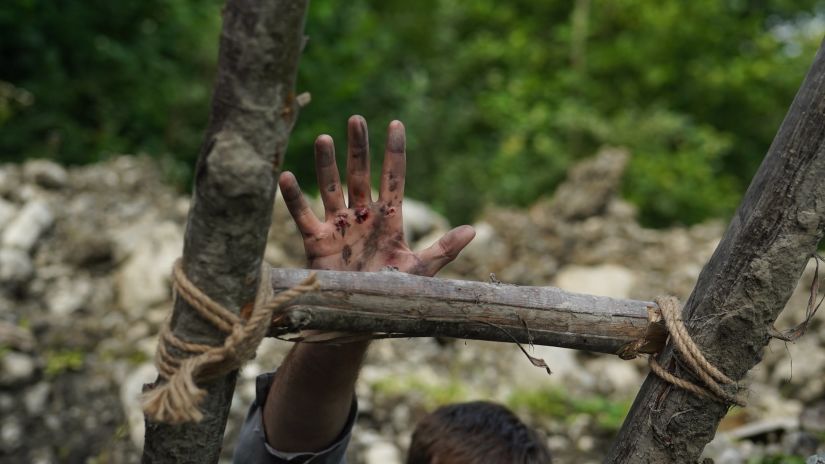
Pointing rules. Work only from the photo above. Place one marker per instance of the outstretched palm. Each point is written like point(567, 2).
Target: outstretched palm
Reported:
point(364, 235)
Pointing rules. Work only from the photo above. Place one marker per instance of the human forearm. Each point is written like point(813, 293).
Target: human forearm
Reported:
point(310, 399)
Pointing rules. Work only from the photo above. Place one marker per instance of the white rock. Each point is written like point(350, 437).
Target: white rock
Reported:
point(16, 368)
point(382, 452)
point(806, 376)
point(45, 173)
point(7, 212)
point(66, 296)
point(29, 224)
point(816, 459)
point(764, 426)
point(606, 280)
point(730, 456)
point(15, 265)
point(275, 255)
point(585, 443)
point(130, 391)
point(567, 370)
point(420, 220)
point(11, 433)
point(35, 398)
point(143, 280)
point(42, 456)
point(7, 402)
point(148, 346)
point(614, 376)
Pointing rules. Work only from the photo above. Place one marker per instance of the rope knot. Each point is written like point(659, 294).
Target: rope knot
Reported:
point(177, 401)
point(710, 375)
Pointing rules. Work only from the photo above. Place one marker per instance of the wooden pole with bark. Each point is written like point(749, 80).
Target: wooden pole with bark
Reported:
point(252, 113)
point(403, 305)
point(744, 286)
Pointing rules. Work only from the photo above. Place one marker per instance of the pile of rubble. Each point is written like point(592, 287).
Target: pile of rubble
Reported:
point(85, 255)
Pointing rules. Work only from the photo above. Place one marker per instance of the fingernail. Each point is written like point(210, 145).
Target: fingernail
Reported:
point(358, 135)
point(325, 154)
point(397, 140)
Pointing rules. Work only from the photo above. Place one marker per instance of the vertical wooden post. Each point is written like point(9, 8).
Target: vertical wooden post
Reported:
point(744, 286)
point(252, 113)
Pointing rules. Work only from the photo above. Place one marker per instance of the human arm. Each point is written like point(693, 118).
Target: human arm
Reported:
point(309, 401)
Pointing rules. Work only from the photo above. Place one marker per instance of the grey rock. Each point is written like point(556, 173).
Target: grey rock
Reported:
point(606, 280)
point(800, 443)
point(731, 456)
point(45, 173)
point(15, 266)
point(26, 228)
point(130, 391)
point(7, 212)
point(16, 368)
point(812, 418)
point(143, 280)
point(36, 397)
point(804, 378)
point(615, 376)
point(816, 459)
point(590, 186)
point(9, 179)
point(764, 426)
point(382, 452)
point(11, 433)
point(66, 295)
point(7, 402)
point(42, 456)
point(13, 336)
point(421, 220)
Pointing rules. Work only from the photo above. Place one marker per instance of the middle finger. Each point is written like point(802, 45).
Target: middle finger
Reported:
point(358, 163)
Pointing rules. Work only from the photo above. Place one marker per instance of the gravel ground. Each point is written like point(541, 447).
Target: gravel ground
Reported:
point(84, 260)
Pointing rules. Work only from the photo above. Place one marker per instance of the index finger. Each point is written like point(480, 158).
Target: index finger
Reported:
point(358, 163)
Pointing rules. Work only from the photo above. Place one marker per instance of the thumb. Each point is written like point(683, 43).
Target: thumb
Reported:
point(446, 249)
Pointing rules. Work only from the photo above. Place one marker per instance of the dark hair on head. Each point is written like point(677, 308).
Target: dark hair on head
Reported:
point(475, 433)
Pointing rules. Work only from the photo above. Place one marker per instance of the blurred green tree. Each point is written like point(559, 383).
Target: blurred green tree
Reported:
point(107, 77)
point(498, 97)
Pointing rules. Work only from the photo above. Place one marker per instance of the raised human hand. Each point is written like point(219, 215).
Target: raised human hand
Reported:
point(364, 235)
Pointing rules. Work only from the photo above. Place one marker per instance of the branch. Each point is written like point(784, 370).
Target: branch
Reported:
point(253, 111)
point(744, 286)
point(401, 304)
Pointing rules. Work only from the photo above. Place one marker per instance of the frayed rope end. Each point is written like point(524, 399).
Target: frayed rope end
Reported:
point(177, 401)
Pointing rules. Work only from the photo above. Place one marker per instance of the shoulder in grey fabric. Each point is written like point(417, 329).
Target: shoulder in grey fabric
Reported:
point(252, 447)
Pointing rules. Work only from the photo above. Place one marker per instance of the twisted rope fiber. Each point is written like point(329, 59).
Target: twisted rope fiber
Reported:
point(710, 375)
point(177, 401)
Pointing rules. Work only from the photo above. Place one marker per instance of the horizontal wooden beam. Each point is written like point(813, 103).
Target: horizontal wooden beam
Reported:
point(404, 305)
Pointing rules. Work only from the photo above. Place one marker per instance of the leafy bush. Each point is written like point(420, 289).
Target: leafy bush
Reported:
point(499, 98)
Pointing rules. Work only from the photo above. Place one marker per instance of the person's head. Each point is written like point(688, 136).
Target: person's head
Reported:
point(475, 433)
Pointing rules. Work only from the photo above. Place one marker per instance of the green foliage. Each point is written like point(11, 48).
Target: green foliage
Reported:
point(560, 405)
point(107, 77)
point(499, 98)
point(60, 361)
point(778, 459)
point(432, 395)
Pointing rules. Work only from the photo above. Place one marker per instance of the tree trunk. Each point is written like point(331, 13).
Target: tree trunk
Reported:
point(253, 111)
point(744, 286)
point(398, 304)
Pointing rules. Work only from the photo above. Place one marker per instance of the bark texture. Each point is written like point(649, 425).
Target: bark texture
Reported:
point(252, 113)
point(744, 286)
point(406, 305)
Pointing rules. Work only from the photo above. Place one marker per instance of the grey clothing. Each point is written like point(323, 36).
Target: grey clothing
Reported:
point(252, 447)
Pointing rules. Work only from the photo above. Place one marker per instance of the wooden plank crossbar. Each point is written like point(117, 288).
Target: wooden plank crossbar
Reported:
point(405, 305)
